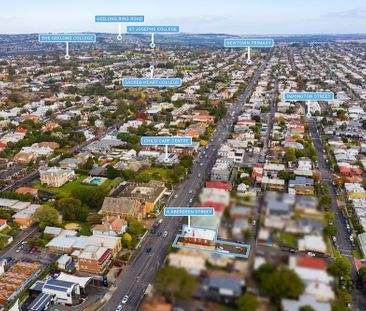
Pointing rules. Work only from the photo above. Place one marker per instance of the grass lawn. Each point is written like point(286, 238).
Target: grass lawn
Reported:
point(287, 239)
point(84, 228)
point(158, 173)
point(6, 230)
point(70, 186)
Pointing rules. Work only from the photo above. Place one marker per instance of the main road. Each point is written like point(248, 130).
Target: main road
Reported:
point(345, 246)
point(140, 272)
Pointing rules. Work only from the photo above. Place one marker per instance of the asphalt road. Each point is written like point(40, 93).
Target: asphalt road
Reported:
point(140, 272)
point(345, 246)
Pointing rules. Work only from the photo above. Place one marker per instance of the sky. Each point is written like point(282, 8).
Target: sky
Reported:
point(193, 16)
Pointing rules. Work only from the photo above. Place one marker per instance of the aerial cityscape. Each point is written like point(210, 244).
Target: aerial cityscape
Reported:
point(192, 156)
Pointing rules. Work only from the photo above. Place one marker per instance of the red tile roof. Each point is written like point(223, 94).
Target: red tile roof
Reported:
point(311, 262)
point(218, 185)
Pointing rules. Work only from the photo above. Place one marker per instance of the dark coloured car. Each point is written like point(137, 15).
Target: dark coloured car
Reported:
point(148, 250)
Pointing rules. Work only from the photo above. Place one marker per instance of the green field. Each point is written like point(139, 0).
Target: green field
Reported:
point(157, 173)
point(70, 186)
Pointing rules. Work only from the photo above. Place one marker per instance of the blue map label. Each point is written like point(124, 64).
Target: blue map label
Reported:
point(177, 140)
point(247, 43)
point(119, 19)
point(190, 211)
point(152, 29)
point(67, 38)
point(308, 96)
point(152, 82)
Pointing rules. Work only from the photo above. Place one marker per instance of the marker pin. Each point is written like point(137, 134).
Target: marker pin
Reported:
point(249, 61)
point(67, 55)
point(166, 159)
point(308, 115)
point(152, 68)
point(119, 37)
point(152, 44)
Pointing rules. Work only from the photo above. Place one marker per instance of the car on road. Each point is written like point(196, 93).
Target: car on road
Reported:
point(125, 299)
point(159, 233)
point(148, 250)
point(190, 200)
point(201, 164)
point(165, 234)
point(190, 191)
point(199, 174)
point(119, 308)
point(153, 230)
point(175, 196)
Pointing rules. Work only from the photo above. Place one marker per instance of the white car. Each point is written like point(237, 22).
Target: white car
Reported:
point(119, 308)
point(311, 254)
point(165, 234)
point(175, 196)
point(125, 298)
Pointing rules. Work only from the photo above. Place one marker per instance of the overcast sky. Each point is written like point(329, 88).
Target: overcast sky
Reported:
point(194, 16)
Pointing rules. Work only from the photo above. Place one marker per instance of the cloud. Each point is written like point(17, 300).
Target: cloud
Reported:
point(354, 13)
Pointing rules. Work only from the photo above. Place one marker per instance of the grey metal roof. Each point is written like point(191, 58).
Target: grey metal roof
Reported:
point(40, 303)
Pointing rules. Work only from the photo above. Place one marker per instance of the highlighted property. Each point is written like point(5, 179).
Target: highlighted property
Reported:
point(205, 239)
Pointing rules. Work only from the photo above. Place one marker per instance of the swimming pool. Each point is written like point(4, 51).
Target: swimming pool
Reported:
point(95, 181)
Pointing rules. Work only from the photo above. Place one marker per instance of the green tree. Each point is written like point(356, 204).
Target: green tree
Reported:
point(126, 239)
point(94, 218)
point(330, 230)
point(290, 155)
point(88, 164)
point(187, 161)
point(92, 197)
point(3, 240)
point(175, 283)
point(362, 273)
point(72, 209)
point(341, 267)
point(279, 282)
point(247, 302)
point(128, 174)
point(46, 216)
point(112, 173)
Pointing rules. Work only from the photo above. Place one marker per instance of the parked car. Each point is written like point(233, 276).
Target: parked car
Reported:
point(125, 299)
